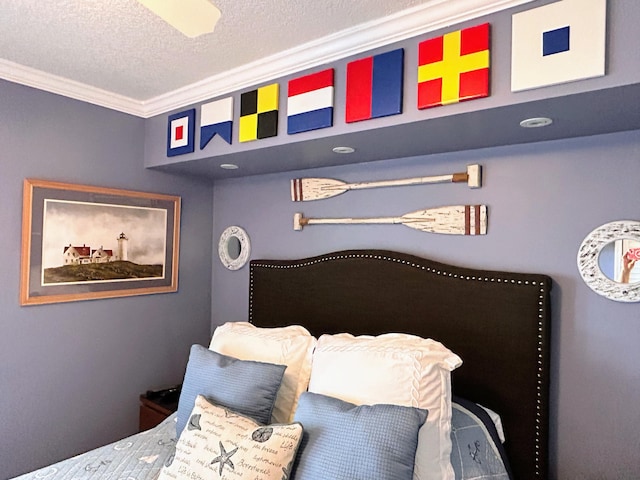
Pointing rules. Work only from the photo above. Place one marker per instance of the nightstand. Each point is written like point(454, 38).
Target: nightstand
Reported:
point(156, 405)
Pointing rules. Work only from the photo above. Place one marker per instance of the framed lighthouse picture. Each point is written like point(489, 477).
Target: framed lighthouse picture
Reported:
point(83, 242)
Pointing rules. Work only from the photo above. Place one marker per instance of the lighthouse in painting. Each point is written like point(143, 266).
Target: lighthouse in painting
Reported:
point(122, 248)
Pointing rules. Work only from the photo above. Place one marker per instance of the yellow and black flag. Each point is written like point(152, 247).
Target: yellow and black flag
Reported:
point(259, 113)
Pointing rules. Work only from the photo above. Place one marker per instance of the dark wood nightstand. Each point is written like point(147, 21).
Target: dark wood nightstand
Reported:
point(157, 405)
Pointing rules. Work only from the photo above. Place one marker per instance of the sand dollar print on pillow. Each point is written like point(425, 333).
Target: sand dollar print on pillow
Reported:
point(218, 443)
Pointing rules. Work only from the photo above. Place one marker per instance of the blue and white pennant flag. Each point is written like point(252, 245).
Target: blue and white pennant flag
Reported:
point(216, 118)
point(557, 43)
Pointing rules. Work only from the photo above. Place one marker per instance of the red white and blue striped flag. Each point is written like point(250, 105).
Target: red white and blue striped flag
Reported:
point(310, 102)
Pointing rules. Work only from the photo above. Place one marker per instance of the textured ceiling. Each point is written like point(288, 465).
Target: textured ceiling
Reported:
point(121, 47)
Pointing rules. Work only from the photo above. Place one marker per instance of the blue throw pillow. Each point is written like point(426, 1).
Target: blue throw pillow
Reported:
point(244, 386)
point(342, 441)
point(477, 452)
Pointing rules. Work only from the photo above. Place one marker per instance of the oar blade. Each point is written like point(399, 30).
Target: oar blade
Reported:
point(450, 220)
point(305, 189)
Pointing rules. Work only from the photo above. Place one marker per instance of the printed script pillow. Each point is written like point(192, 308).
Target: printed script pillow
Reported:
point(399, 369)
point(291, 346)
point(342, 441)
point(222, 444)
point(246, 387)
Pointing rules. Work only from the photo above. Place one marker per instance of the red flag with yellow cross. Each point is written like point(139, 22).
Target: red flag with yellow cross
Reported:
point(454, 67)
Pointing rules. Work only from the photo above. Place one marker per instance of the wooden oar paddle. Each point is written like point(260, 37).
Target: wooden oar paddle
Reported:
point(305, 189)
point(452, 220)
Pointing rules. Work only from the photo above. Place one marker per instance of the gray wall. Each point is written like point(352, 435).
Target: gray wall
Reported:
point(543, 199)
point(71, 373)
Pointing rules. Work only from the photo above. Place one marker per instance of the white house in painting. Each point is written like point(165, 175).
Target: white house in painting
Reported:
point(101, 255)
point(76, 255)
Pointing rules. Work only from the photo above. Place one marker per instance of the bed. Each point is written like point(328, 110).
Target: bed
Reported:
point(497, 322)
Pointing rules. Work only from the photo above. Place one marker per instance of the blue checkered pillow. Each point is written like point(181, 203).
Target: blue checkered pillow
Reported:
point(244, 386)
point(342, 441)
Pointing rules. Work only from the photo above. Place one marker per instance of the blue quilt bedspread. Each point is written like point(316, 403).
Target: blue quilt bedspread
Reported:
point(477, 452)
point(139, 457)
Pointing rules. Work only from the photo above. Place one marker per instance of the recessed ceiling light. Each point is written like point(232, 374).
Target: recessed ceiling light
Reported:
point(191, 17)
point(229, 166)
point(343, 149)
point(536, 122)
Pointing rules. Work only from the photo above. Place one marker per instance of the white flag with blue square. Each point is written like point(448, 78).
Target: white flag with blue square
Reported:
point(557, 43)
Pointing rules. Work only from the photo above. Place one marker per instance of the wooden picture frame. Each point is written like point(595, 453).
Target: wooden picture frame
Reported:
point(82, 242)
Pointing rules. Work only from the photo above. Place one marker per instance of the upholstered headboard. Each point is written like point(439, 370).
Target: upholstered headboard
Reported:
point(497, 322)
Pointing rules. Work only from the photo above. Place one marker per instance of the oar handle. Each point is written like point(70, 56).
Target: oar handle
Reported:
point(462, 177)
point(299, 221)
point(471, 177)
point(343, 221)
point(396, 183)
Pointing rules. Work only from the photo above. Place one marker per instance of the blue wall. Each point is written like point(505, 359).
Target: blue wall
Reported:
point(71, 373)
point(543, 200)
point(74, 371)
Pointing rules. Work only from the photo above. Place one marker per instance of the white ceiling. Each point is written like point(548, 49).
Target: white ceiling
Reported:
point(117, 54)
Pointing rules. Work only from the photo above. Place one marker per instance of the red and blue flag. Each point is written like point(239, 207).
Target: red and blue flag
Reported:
point(374, 86)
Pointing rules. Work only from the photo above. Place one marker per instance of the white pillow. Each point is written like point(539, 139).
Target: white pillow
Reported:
point(398, 369)
point(291, 346)
point(497, 421)
point(219, 443)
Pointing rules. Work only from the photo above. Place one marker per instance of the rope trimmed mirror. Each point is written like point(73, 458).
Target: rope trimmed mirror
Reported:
point(609, 260)
point(234, 247)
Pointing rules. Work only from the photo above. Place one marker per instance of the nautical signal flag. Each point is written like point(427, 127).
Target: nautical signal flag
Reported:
point(454, 67)
point(310, 102)
point(216, 118)
point(559, 42)
point(259, 113)
point(181, 133)
point(374, 86)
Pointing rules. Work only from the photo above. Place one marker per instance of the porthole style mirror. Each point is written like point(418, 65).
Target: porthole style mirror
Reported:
point(609, 260)
point(234, 247)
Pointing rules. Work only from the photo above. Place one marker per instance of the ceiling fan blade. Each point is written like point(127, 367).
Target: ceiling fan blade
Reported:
point(191, 17)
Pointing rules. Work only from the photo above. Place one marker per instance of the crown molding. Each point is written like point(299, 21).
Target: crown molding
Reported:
point(429, 16)
point(14, 72)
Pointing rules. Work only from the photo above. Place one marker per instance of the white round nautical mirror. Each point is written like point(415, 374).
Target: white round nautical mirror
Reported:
point(234, 248)
point(609, 260)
